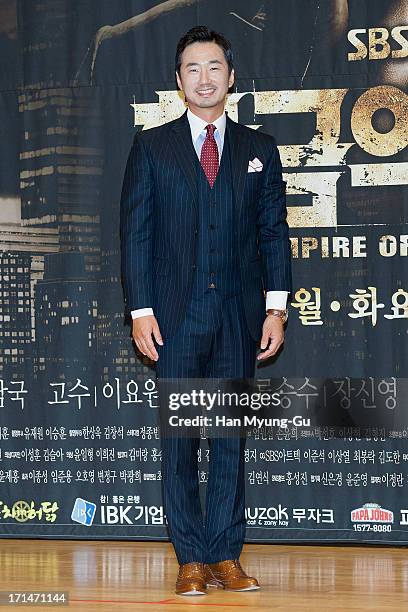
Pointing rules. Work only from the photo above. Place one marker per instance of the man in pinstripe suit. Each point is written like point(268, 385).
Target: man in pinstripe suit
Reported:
point(206, 274)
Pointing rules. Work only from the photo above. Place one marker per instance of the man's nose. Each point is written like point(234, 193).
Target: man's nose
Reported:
point(204, 76)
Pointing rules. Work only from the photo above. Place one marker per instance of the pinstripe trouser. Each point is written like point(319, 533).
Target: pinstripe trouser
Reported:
point(213, 341)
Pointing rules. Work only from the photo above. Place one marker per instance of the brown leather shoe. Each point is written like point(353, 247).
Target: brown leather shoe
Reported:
point(191, 580)
point(230, 576)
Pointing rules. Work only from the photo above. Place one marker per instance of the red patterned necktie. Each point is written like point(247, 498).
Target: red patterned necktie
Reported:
point(209, 155)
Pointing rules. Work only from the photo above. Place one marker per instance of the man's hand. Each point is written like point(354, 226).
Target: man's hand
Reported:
point(272, 331)
point(142, 330)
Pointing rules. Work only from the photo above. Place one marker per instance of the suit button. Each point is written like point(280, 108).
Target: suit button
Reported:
point(211, 226)
point(196, 232)
point(194, 267)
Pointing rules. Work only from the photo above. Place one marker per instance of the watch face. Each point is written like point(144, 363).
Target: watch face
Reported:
point(284, 316)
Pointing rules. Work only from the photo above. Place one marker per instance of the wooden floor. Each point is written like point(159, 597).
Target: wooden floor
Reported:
point(136, 576)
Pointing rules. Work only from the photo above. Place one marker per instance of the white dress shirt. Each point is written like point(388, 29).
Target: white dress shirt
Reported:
point(274, 299)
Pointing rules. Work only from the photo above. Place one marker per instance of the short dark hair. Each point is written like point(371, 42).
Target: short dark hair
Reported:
point(203, 34)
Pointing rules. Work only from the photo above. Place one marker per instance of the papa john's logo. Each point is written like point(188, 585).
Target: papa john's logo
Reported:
point(372, 513)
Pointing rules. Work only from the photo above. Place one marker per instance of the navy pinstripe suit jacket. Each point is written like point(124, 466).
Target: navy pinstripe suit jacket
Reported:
point(159, 217)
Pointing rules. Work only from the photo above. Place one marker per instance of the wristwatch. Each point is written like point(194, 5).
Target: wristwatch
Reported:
point(282, 314)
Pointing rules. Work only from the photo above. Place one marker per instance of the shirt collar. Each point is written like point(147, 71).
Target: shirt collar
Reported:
point(197, 125)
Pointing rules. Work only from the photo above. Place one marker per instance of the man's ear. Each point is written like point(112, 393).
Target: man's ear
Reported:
point(178, 80)
point(231, 79)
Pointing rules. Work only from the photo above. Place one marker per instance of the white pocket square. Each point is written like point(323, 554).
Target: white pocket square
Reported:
point(255, 165)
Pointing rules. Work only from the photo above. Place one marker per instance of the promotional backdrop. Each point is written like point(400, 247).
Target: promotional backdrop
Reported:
point(79, 440)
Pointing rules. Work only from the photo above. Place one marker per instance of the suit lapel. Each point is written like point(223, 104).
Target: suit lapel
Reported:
point(184, 151)
point(239, 151)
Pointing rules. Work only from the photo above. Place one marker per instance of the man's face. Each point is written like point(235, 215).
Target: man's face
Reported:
point(204, 76)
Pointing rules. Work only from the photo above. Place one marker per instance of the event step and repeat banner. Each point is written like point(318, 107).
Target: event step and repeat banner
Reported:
point(79, 433)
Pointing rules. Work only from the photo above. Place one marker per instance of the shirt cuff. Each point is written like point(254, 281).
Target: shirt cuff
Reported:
point(141, 312)
point(276, 299)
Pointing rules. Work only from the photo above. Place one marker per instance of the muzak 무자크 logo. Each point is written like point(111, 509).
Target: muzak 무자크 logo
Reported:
point(371, 513)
